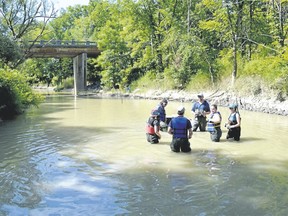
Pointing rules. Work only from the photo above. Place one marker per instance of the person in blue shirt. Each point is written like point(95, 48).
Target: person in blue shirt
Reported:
point(200, 109)
point(181, 129)
point(161, 109)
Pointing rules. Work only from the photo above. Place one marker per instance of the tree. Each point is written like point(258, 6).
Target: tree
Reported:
point(235, 12)
point(67, 26)
point(226, 20)
point(43, 70)
point(19, 17)
point(9, 51)
point(16, 94)
point(279, 11)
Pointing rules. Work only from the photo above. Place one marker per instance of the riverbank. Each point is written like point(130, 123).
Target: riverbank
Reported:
point(261, 103)
point(270, 103)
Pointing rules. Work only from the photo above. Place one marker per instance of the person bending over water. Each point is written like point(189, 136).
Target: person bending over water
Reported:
point(153, 127)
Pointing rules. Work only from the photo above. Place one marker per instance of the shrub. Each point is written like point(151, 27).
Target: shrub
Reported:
point(199, 82)
point(16, 94)
point(68, 83)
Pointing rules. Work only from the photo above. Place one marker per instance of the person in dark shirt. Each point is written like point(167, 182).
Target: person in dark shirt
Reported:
point(234, 123)
point(161, 109)
point(200, 109)
point(153, 127)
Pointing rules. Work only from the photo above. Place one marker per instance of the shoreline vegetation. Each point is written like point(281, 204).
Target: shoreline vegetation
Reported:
point(266, 103)
point(232, 51)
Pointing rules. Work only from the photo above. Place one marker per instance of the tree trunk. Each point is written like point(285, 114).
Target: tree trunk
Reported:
point(235, 63)
point(188, 16)
point(281, 25)
point(250, 30)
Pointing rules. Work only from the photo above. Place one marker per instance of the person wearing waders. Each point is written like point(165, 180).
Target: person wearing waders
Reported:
point(200, 109)
point(234, 123)
point(161, 109)
point(214, 124)
point(153, 127)
point(181, 129)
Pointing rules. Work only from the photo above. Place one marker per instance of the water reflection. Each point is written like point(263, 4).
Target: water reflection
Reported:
point(78, 156)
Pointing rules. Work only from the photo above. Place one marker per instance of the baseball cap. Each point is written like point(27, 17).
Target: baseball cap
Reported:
point(233, 106)
point(200, 95)
point(181, 109)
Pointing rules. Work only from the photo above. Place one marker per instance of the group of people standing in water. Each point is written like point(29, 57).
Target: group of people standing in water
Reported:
point(206, 118)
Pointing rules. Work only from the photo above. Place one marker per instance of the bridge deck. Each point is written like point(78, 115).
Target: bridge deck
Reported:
point(60, 49)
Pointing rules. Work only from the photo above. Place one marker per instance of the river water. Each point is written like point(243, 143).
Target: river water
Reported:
point(89, 156)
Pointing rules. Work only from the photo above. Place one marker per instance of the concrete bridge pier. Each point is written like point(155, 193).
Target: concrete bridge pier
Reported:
point(80, 70)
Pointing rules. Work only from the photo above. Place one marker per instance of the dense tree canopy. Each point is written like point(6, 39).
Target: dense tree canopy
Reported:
point(20, 20)
point(177, 43)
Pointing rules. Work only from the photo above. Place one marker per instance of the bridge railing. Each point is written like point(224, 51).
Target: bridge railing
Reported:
point(64, 43)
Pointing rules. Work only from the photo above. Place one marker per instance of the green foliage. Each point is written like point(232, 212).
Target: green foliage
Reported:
point(47, 71)
point(182, 67)
point(9, 50)
point(111, 74)
point(94, 72)
point(168, 45)
point(268, 68)
point(71, 24)
point(187, 45)
point(16, 94)
point(281, 84)
point(272, 70)
point(255, 85)
point(148, 81)
point(114, 59)
point(225, 62)
point(67, 83)
point(199, 82)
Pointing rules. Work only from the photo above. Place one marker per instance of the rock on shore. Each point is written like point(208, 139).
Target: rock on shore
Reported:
point(265, 104)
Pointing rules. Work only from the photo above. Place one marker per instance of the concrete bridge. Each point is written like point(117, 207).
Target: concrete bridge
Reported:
point(77, 50)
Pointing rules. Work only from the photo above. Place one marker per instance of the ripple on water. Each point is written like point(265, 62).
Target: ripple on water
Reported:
point(79, 159)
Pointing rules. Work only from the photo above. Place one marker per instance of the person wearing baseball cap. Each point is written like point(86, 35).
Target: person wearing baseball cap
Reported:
point(200, 109)
point(181, 129)
point(234, 123)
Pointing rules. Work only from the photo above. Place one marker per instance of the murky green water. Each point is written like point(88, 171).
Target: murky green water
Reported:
point(88, 156)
